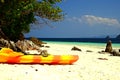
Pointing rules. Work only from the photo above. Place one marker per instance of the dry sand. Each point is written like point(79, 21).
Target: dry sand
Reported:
point(88, 67)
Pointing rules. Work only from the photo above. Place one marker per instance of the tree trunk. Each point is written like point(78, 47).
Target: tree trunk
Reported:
point(2, 35)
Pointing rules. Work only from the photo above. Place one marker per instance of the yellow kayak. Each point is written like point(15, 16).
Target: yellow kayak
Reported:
point(9, 56)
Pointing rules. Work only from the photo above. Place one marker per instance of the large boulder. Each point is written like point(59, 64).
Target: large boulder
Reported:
point(28, 47)
point(109, 47)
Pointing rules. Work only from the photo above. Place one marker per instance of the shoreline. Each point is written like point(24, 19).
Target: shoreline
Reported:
point(88, 67)
point(93, 44)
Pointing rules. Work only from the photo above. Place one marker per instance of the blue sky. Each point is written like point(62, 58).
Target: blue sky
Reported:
point(84, 19)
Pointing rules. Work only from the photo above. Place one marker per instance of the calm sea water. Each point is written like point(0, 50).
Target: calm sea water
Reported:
point(92, 42)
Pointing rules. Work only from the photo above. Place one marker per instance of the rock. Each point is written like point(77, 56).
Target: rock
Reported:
point(36, 69)
point(8, 44)
point(102, 58)
point(30, 48)
point(37, 41)
point(25, 45)
point(119, 50)
point(47, 46)
point(109, 47)
point(4, 43)
point(44, 53)
point(115, 53)
point(76, 49)
point(89, 51)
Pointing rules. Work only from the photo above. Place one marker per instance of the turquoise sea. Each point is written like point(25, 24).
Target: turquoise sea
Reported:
point(90, 44)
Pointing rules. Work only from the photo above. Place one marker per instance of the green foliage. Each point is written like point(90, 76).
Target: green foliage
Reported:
point(16, 15)
point(2, 1)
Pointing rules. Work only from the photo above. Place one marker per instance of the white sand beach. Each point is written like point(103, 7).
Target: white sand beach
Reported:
point(88, 67)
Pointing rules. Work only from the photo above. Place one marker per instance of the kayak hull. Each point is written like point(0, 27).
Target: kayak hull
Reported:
point(11, 57)
point(37, 59)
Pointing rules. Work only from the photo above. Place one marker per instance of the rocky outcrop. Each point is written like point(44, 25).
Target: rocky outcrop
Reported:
point(26, 45)
point(8, 44)
point(37, 41)
point(109, 47)
point(76, 49)
point(89, 51)
point(23, 46)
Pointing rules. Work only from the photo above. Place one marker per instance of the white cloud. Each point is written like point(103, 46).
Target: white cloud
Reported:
point(95, 20)
point(74, 19)
point(90, 19)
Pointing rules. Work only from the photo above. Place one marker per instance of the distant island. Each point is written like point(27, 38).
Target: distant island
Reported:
point(107, 37)
point(118, 36)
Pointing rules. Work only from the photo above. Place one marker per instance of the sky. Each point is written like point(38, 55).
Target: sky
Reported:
point(83, 19)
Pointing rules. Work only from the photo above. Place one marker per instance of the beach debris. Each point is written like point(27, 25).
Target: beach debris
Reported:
point(102, 58)
point(76, 49)
point(89, 51)
point(109, 47)
point(47, 46)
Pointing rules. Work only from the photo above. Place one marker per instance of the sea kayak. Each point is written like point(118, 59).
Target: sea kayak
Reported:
point(9, 56)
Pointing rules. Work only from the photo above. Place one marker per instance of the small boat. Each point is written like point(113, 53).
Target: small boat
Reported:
point(11, 57)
